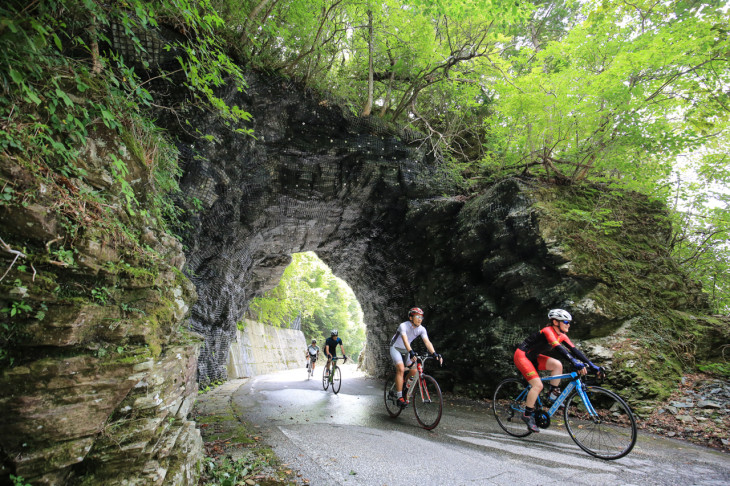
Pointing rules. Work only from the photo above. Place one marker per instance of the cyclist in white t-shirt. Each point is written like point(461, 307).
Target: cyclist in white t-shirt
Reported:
point(312, 353)
point(400, 348)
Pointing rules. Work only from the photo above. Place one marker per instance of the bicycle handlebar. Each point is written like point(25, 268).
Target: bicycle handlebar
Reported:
point(596, 376)
point(424, 357)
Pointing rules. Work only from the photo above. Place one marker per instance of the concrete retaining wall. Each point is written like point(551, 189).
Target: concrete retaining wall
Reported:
point(261, 349)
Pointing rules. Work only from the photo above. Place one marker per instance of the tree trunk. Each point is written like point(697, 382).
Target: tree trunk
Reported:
point(252, 18)
point(369, 105)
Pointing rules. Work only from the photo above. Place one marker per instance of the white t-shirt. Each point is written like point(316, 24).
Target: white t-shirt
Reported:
point(411, 332)
point(313, 350)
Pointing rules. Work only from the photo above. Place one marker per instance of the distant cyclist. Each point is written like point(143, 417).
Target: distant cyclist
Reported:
point(330, 348)
point(312, 353)
point(400, 348)
point(529, 358)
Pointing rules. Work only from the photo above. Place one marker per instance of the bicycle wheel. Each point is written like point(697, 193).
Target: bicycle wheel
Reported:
point(336, 379)
point(611, 433)
point(509, 405)
point(325, 379)
point(428, 403)
point(391, 404)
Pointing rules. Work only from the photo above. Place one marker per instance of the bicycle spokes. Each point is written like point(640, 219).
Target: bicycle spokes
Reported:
point(428, 403)
point(508, 405)
point(600, 422)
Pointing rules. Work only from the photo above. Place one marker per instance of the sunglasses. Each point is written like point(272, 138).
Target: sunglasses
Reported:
point(566, 322)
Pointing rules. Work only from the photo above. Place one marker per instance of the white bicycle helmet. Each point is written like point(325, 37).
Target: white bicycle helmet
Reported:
point(560, 315)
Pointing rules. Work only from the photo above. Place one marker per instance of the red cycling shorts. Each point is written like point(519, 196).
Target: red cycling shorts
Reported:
point(527, 367)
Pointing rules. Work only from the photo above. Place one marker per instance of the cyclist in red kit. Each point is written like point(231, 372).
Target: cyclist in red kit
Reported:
point(529, 358)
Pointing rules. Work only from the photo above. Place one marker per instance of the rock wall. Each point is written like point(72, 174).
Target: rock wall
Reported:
point(99, 367)
point(260, 349)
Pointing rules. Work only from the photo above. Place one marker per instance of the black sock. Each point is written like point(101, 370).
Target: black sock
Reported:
point(529, 411)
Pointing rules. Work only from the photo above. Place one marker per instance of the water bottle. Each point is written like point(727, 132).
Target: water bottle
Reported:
point(554, 394)
point(410, 382)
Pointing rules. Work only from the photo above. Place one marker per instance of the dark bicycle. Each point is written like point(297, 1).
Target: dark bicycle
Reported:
point(598, 420)
point(334, 377)
point(424, 394)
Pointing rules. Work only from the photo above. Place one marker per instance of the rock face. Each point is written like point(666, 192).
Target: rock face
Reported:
point(374, 205)
point(99, 372)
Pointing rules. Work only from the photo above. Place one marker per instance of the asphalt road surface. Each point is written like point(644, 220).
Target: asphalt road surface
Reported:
point(349, 439)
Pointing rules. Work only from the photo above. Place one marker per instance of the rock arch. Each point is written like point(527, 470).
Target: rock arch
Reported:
point(312, 179)
point(370, 202)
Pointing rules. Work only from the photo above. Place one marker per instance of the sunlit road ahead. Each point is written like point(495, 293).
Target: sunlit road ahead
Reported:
point(350, 439)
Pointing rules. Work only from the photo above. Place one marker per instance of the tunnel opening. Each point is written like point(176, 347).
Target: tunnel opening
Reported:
point(310, 298)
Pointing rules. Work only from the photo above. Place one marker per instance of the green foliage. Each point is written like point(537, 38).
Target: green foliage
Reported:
point(18, 481)
point(427, 57)
point(64, 256)
point(701, 226)
point(100, 294)
point(231, 472)
point(10, 316)
point(597, 218)
point(211, 386)
point(128, 309)
point(16, 309)
point(59, 86)
point(6, 195)
point(719, 369)
point(600, 98)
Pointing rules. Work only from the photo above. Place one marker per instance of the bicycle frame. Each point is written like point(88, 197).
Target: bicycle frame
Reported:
point(575, 382)
point(421, 385)
point(332, 368)
point(331, 375)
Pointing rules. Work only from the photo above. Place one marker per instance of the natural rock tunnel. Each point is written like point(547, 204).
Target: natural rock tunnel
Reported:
point(375, 203)
point(375, 207)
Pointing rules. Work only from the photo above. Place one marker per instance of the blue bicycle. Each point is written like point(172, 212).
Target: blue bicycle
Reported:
point(598, 420)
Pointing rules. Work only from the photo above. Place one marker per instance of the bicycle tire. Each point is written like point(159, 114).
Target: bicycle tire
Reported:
point(428, 404)
point(336, 379)
point(612, 434)
point(508, 409)
point(391, 404)
point(325, 379)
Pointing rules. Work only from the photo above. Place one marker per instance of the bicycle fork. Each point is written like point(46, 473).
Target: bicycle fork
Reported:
point(589, 406)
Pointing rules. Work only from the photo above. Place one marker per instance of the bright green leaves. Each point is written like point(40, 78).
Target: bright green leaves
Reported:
point(308, 289)
point(620, 91)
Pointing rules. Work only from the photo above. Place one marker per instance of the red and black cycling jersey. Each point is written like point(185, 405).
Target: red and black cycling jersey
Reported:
point(545, 340)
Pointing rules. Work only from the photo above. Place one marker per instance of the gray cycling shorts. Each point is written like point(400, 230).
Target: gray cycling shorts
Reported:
point(400, 356)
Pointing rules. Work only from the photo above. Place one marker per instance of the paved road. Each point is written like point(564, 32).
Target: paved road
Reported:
point(348, 439)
